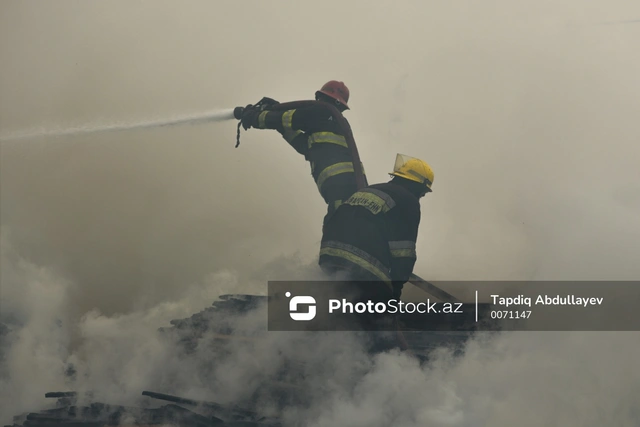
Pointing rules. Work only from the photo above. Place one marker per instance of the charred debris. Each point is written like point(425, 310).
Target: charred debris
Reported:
point(210, 330)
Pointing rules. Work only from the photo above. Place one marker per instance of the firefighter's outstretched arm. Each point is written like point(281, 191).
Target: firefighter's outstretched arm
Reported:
point(294, 125)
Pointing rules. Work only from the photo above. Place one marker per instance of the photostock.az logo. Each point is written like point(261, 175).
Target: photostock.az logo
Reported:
point(301, 300)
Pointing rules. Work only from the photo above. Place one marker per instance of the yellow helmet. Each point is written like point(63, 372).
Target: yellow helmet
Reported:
point(414, 170)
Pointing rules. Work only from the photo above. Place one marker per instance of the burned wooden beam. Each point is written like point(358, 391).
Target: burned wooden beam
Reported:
point(222, 410)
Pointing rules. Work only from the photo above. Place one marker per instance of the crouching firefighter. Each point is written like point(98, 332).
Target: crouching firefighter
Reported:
point(321, 135)
point(371, 237)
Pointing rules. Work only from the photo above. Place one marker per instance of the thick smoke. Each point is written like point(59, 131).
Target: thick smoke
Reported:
point(527, 114)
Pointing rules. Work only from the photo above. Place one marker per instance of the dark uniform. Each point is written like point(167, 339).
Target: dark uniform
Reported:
point(372, 236)
point(315, 133)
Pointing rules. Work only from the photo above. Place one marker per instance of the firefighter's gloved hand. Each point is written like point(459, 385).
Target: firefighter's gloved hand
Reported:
point(249, 118)
point(268, 102)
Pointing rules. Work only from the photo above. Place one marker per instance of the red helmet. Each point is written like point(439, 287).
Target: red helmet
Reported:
point(336, 90)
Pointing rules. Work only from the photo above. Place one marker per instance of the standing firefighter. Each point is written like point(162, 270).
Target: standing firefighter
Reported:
point(372, 235)
point(315, 132)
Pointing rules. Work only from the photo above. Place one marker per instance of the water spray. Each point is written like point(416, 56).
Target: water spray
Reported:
point(211, 116)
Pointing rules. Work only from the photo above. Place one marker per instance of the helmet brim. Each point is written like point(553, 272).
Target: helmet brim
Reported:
point(395, 175)
point(332, 96)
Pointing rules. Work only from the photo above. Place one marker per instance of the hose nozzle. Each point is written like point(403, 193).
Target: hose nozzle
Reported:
point(238, 112)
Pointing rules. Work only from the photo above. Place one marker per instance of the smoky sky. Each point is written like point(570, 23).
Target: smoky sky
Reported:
point(526, 112)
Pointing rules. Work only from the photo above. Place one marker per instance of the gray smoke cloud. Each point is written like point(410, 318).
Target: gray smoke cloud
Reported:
point(527, 114)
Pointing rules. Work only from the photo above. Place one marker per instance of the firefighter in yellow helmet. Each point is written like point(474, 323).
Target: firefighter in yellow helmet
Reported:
point(371, 239)
point(372, 235)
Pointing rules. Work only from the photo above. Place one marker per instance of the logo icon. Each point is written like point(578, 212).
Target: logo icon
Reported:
point(301, 300)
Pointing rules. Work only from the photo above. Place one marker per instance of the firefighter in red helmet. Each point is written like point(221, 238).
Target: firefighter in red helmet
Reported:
point(314, 133)
point(334, 92)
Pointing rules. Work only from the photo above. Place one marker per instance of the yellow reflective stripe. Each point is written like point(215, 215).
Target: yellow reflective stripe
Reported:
point(290, 135)
point(357, 257)
point(357, 261)
point(262, 120)
point(371, 202)
point(359, 253)
point(388, 200)
point(403, 253)
point(327, 137)
point(402, 244)
point(287, 119)
point(336, 204)
point(333, 170)
point(402, 248)
point(375, 201)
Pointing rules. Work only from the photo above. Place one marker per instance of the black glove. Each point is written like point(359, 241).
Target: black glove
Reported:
point(249, 117)
point(267, 102)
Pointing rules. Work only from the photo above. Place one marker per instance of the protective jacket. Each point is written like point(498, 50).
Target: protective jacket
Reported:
point(315, 133)
point(374, 233)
